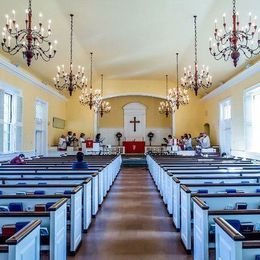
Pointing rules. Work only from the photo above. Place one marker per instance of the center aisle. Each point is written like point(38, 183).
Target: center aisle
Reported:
point(132, 224)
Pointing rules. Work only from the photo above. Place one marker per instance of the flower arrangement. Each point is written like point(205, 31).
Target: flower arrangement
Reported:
point(150, 135)
point(119, 136)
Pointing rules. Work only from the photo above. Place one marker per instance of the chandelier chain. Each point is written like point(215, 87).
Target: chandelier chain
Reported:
point(30, 5)
point(166, 81)
point(234, 7)
point(91, 64)
point(177, 67)
point(196, 40)
point(102, 84)
point(71, 40)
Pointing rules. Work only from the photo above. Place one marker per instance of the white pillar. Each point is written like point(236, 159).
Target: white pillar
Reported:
point(173, 124)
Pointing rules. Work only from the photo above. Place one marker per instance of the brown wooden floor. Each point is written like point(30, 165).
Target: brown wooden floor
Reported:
point(132, 223)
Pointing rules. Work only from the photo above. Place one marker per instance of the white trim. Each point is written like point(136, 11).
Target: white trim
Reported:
point(233, 81)
point(10, 89)
point(134, 94)
point(29, 78)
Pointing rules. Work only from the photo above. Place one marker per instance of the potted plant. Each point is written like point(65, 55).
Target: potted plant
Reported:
point(150, 135)
point(119, 136)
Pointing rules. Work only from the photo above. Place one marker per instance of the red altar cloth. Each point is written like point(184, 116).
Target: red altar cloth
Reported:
point(134, 146)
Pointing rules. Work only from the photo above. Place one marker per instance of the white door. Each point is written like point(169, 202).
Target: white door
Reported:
point(41, 127)
point(39, 143)
point(134, 122)
point(225, 127)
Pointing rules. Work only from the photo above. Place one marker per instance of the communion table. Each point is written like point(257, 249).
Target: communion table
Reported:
point(134, 146)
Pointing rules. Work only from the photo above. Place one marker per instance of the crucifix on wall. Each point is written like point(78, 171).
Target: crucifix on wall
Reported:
point(135, 122)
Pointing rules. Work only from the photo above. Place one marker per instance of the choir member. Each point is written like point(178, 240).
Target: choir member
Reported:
point(188, 142)
point(62, 145)
point(69, 139)
point(82, 139)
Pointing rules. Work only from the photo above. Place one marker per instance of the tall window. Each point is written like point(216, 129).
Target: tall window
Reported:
point(10, 121)
point(252, 122)
point(225, 126)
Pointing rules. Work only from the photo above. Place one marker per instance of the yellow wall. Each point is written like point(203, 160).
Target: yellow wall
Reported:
point(80, 119)
point(57, 108)
point(211, 112)
point(115, 119)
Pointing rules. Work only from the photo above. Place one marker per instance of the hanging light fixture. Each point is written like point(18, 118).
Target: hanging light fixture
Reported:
point(233, 41)
point(33, 41)
point(103, 106)
point(87, 96)
point(197, 79)
point(69, 80)
point(177, 96)
point(165, 106)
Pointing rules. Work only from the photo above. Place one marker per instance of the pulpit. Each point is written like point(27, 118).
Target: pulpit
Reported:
point(134, 146)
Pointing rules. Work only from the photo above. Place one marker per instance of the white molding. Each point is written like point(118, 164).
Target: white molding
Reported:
point(145, 94)
point(29, 78)
point(233, 81)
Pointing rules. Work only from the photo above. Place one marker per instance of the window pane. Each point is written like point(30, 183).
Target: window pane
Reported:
point(255, 123)
point(7, 108)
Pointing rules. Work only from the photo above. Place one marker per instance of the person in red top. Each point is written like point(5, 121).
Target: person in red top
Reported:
point(18, 160)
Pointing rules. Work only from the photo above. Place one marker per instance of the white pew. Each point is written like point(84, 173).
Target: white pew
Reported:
point(231, 244)
point(24, 244)
point(55, 219)
point(204, 214)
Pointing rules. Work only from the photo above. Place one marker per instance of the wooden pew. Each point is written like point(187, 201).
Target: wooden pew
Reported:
point(187, 180)
point(232, 245)
point(24, 244)
point(74, 200)
point(209, 206)
point(55, 219)
point(50, 188)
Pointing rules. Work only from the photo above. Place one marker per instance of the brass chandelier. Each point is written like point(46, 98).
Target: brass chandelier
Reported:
point(88, 97)
point(236, 40)
point(103, 106)
point(165, 106)
point(177, 96)
point(33, 41)
point(70, 80)
point(195, 79)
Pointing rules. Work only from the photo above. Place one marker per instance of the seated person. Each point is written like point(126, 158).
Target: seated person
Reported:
point(18, 160)
point(79, 164)
point(62, 145)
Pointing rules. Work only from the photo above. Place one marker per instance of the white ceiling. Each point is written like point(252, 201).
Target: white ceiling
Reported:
point(132, 39)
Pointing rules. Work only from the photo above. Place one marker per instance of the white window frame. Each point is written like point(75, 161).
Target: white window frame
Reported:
point(221, 112)
point(16, 94)
point(249, 92)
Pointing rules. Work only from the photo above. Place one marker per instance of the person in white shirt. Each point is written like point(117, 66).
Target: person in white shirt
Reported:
point(188, 142)
point(62, 145)
point(205, 141)
point(82, 139)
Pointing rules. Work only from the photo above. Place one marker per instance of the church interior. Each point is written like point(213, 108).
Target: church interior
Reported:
point(129, 129)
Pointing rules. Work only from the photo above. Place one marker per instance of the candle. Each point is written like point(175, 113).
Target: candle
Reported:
point(40, 18)
point(216, 21)
point(13, 14)
point(210, 42)
point(224, 18)
point(250, 17)
point(7, 19)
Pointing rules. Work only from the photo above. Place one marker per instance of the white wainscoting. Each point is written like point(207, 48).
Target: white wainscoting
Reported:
point(109, 135)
